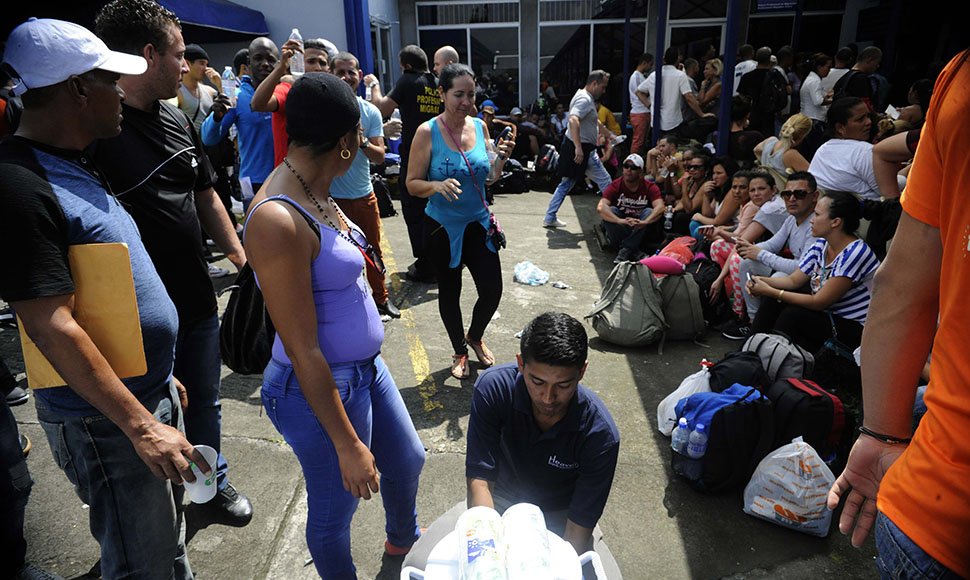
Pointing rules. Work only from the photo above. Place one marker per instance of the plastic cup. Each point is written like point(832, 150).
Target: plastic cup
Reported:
point(204, 488)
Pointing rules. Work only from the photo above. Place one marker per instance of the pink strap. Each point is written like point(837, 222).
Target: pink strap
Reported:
point(471, 172)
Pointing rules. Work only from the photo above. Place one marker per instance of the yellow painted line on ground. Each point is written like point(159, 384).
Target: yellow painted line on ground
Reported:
point(427, 388)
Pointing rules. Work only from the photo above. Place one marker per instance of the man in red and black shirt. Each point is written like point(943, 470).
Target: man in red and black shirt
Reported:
point(631, 209)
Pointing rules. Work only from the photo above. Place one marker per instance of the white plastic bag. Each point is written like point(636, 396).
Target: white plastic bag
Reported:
point(530, 274)
point(699, 382)
point(790, 487)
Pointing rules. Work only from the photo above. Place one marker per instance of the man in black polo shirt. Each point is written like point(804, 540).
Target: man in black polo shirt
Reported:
point(159, 172)
point(536, 435)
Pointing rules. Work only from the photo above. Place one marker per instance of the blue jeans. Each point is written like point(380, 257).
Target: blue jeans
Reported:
point(15, 484)
point(595, 171)
point(376, 410)
point(198, 365)
point(900, 557)
point(135, 517)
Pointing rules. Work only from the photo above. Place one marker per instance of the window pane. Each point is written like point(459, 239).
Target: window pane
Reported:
point(820, 33)
point(608, 44)
point(467, 13)
point(564, 58)
point(696, 41)
point(495, 54)
point(432, 40)
point(694, 9)
point(557, 10)
point(773, 32)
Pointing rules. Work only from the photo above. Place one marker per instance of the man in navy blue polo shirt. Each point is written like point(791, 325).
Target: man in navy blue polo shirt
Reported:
point(536, 435)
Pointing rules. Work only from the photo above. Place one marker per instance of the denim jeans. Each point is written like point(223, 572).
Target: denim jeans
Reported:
point(596, 172)
point(135, 517)
point(198, 365)
point(376, 410)
point(900, 557)
point(15, 484)
point(624, 236)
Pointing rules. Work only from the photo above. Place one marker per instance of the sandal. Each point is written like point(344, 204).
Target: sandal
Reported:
point(459, 366)
point(482, 352)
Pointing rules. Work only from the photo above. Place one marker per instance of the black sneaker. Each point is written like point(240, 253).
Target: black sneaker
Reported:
point(737, 331)
point(17, 396)
point(31, 572)
point(624, 255)
point(232, 505)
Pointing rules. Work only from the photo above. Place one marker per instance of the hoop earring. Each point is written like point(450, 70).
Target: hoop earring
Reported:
point(345, 154)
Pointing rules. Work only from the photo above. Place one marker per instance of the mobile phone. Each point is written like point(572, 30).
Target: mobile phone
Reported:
point(750, 279)
point(707, 227)
point(504, 134)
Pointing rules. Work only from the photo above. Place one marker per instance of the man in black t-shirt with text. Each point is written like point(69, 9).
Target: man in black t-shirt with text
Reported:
point(416, 94)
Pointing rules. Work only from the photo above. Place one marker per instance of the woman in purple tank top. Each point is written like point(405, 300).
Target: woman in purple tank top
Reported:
point(326, 388)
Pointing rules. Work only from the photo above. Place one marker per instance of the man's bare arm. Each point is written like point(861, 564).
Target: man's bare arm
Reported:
point(216, 222)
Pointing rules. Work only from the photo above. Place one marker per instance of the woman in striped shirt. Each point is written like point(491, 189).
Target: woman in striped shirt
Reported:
point(837, 271)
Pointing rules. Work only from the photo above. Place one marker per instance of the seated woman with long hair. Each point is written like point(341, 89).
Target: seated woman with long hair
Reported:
point(779, 155)
point(718, 207)
point(326, 388)
point(838, 269)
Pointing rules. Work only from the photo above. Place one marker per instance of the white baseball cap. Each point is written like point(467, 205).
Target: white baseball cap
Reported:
point(634, 159)
point(43, 52)
point(515, 111)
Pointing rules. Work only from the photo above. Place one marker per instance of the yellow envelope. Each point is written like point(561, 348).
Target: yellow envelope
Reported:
point(105, 307)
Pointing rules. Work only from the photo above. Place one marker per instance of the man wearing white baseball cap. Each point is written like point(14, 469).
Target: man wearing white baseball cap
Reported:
point(118, 440)
point(631, 208)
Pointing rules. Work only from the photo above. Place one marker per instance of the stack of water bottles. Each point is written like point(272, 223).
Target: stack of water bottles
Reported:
point(691, 445)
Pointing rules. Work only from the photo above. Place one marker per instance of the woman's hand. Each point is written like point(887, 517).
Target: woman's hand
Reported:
point(505, 146)
point(449, 189)
point(359, 471)
point(758, 287)
point(715, 290)
point(707, 188)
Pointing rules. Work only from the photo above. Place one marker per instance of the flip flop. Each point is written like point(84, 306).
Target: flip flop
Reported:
point(459, 366)
point(482, 352)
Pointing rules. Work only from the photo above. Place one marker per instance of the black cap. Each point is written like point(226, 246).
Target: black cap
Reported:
point(320, 109)
point(194, 52)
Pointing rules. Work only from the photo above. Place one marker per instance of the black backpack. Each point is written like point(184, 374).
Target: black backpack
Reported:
point(839, 90)
point(803, 408)
point(705, 272)
point(774, 92)
point(741, 367)
point(383, 193)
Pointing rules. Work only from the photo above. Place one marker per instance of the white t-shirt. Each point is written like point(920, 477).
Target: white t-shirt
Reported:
point(828, 83)
point(845, 165)
point(636, 106)
point(811, 96)
point(675, 86)
point(741, 69)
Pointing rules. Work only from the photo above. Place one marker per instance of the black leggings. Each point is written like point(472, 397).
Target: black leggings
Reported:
point(807, 328)
point(486, 271)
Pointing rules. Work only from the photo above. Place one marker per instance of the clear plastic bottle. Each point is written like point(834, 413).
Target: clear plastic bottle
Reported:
point(229, 84)
point(678, 438)
point(396, 115)
point(696, 448)
point(297, 67)
point(669, 218)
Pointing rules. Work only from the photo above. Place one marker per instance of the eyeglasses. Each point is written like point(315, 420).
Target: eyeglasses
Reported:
point(631, 167)
point(797, 193)
point(357, 238)
point(694, 167)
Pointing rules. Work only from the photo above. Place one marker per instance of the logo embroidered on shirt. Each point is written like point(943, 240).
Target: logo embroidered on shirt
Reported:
point(554, 461)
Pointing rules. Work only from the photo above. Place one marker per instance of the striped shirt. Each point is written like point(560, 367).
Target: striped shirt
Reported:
point(856, 262)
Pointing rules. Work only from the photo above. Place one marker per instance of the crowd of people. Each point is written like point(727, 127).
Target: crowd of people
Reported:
point(131, 138)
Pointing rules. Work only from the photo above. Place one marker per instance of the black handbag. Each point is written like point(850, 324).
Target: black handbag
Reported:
point(246, 332)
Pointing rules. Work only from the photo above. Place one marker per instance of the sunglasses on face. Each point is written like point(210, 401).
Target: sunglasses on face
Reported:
point(694, 167)
point(631, 167)
point(797, 193)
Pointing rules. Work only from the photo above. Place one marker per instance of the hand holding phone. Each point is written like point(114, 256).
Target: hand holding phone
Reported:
point(503, 135)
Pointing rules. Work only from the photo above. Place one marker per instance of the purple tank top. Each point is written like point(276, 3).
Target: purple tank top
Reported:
point(349, 327)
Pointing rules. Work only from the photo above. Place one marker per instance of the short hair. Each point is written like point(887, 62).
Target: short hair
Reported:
point(451, 72)
point(345, 56)
point(597, 76)
point(846, 55)
point(241, 58)
point(870, 54)
point(763, 55)
point(840, 111)
point(804, 176)
point(556, 339)
point(128, 25)
point(645, 57)
point(414, 56)
point(820, 59)
point(847, 206)
point(746, 52)
point(319, 44)
point(740, 107)
point(691, 61)
point(671, 55)
point(761, 174)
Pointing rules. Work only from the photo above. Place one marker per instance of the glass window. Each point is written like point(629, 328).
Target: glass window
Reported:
point(608, 41)
point(695, 41)
point(774, 32)
point(559, 10)
point(680, 9)
point(564, 58)
point(495, 55)
point(432, 40)
point(467, 13)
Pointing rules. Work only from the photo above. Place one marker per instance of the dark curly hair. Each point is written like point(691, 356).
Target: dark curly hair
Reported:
point(128, 25)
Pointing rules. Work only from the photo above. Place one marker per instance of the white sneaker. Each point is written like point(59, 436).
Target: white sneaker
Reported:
point(554, 224)
point(217, 272)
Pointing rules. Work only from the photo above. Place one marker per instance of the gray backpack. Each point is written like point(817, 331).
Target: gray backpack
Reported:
point(782, 358)
point(629, 311)
point(682, 307)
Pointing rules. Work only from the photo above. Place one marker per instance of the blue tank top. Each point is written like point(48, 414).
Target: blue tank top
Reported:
point(470, 207)
point(349, 327)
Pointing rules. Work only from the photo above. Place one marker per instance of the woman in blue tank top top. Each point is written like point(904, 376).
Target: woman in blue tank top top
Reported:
point(449, 165)
point(326, 388)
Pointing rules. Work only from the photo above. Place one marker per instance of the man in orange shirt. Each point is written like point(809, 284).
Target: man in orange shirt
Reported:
point(919, 485)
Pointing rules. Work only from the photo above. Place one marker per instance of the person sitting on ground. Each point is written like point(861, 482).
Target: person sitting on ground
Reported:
point(631, 208)
point(717, 207)
point(536, 435)
point(662, 162)
point(690, 199)
point(779, 155)
point(326, 388)
point(741, 141)
point(768, 257)
point(844, 162)
point(838, 268)
point(608, 120)
point(495, 125)
point(560, 121)
point(607, 153)
point(526, 136)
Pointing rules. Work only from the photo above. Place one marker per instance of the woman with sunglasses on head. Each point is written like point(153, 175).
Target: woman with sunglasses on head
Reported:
point(450, 166)
point(838, 268)
point(326, 388)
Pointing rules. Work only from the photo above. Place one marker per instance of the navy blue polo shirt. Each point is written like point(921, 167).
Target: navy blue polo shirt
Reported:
point(570, 466)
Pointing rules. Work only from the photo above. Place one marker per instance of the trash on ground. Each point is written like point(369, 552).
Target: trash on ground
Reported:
point(530, 274)
point(560, 284)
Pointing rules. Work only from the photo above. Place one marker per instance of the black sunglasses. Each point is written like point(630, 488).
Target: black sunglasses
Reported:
point(631, 166)
point(693, 167)
point(358, 239)
point(798, 193)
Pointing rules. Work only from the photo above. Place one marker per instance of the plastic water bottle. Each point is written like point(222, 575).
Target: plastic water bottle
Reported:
point(229, 84)
point(396, 115)
point(696, 448)
point(678, 438)
point(669, 218)
point(296, 61)
point(526, 539)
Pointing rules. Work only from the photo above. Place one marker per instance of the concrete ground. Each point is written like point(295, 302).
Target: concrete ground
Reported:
point(656, 526)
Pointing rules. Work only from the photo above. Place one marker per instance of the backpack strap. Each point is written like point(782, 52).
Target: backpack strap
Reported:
point(838, 410)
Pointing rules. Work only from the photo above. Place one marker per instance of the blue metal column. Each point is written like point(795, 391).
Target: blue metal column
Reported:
point(727, 77)
point(658, 69)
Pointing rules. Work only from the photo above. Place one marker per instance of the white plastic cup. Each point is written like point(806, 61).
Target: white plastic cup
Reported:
point(528, 556)
point(480, 549)
point(204, 488)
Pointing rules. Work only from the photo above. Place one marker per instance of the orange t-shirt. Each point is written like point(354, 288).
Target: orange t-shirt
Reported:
point(927, 491)
point(281, 140)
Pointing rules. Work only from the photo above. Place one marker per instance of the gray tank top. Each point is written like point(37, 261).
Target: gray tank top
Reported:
point(196, 108)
